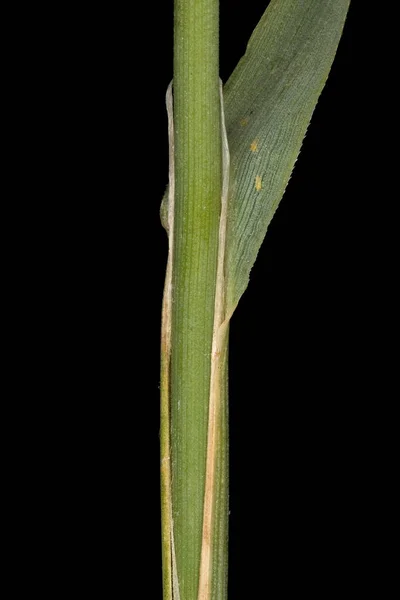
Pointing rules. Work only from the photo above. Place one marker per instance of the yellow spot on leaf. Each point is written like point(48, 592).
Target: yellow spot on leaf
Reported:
point(254, 146)
point(244, 121)
point(258, 183)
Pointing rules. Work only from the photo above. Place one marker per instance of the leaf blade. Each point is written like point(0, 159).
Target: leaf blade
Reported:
point(269, 100)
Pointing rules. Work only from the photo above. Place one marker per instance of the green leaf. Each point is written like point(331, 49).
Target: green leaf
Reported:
point(269, 101)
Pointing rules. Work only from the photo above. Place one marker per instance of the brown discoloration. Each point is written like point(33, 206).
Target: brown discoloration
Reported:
point(244, 121)
point(170, 585)
point(213, 440)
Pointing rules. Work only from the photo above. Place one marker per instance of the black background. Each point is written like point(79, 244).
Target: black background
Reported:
point(293, 378)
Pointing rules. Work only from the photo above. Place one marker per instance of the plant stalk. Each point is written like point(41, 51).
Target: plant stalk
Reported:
point(189, 323)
